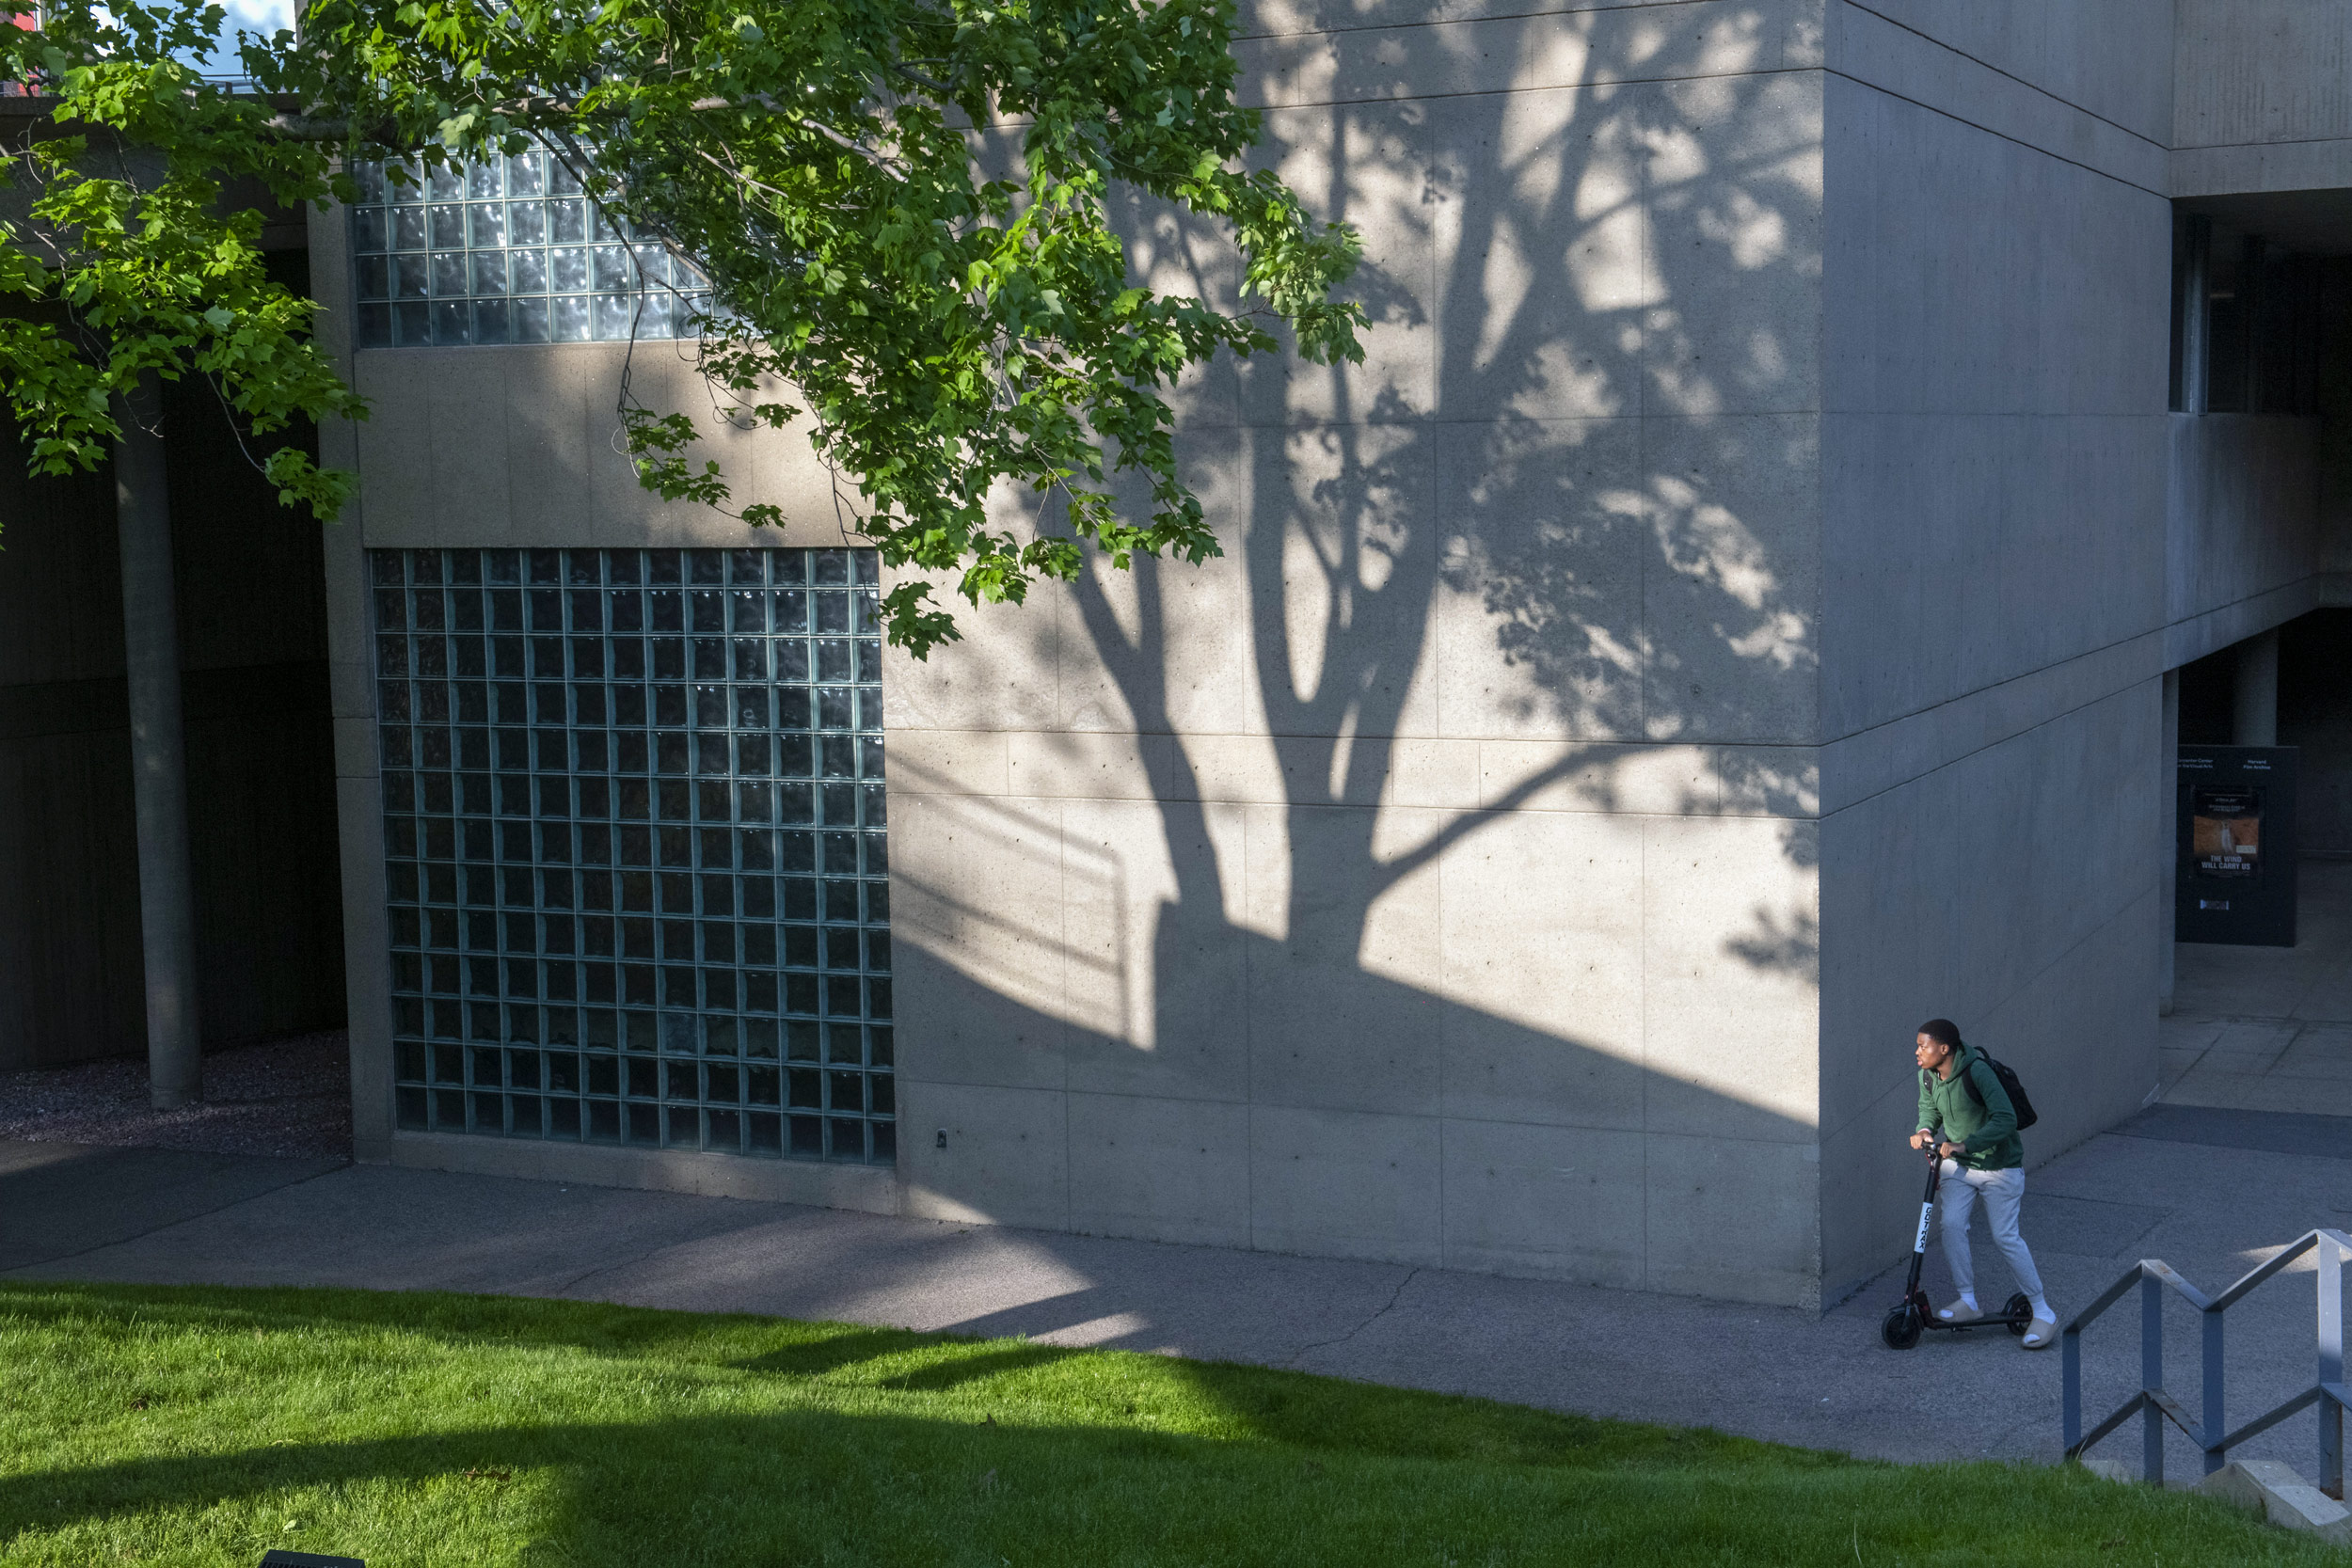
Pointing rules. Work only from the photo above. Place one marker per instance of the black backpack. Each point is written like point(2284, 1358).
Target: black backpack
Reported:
point(2011, 1085)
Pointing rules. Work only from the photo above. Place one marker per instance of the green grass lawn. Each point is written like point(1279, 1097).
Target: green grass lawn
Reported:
point(143, 1424)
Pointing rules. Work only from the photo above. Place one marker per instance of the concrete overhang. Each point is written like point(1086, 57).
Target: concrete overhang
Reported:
point(2253, 168)
point(2314, 223)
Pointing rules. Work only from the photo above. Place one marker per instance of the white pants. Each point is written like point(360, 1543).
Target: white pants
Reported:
point(1956, 1198)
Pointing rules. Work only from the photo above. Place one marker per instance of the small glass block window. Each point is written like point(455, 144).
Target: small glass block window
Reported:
point(635, 843)
point(507, 251)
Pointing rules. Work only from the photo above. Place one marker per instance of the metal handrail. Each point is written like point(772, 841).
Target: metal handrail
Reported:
point(2156, 1406)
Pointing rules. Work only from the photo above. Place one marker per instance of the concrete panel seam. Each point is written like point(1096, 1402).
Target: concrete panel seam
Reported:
point(1987, 129)
point(2256, 614)
point(2121, 648)
point(1061, 896)
point(1532, 14)
point(1987, 65)
point(1445, 1236)
point(1295, 422)
point(1249, 1074)
point(804, 1182)
point(1272, 799)
point(1898, 1088)
point(1960, 757)
point(1641, 1083)
point(1439, 1116)
point(2026, 983)
point(2315, 162)
point(2282, 141)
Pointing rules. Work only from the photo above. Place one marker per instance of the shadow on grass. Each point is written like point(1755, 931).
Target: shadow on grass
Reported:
point(831, 1352)
point(822, 1486)
point(953, 1360)
point(1005, 1452)
point(805, 1483)
point(1230, 1401)
point(597, 1327)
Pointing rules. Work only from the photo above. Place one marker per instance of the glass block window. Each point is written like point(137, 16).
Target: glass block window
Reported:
point(633, 821)
point(507, 251)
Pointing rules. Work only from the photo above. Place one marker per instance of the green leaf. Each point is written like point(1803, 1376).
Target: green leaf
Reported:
point(945, 336)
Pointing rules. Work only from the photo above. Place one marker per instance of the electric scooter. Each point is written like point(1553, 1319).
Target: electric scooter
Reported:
point(1900, 1327)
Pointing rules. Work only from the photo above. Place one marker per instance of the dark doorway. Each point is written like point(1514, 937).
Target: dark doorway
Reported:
point(2315, 714)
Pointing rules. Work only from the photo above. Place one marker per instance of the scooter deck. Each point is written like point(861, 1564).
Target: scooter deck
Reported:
point(2021, 1318)
point(2003, 1321)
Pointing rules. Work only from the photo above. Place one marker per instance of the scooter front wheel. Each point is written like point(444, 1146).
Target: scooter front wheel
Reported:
point(1899, 1328)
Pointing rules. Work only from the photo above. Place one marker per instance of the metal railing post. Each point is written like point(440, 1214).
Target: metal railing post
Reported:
point(2332, 1250)
point(2214, 1406)
point(2071, 1361)
point(2151, 1377)
point(2330, 1367)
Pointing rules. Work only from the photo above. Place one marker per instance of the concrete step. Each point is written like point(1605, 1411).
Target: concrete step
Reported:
point(2276, 1492)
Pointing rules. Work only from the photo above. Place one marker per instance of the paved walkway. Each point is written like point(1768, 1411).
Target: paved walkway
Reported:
point(2268, 1028)
point(75, 1212)
point(2198, 1179)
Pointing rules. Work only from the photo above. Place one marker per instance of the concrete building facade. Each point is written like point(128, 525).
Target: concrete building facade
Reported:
point(1733, 613)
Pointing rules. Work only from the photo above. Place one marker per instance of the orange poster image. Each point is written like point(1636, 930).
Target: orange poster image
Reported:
point(2227, 835)
point(2225, 832)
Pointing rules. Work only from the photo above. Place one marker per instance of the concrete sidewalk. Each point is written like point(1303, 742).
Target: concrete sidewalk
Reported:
point(2268, 1028)
point(2207, 1190)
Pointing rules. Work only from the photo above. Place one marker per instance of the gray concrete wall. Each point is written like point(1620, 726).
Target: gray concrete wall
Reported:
point(2261, 97)
point(1383, 889)
point(1432, 879)
point(2243, 533)
point(2088, 81)
point(2018, 539)
point(2263, 114)
point(1996, 271)
point(1719, 625)
point(2262, 70)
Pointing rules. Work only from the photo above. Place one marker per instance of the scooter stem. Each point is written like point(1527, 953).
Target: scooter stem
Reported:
point(1927, 1211)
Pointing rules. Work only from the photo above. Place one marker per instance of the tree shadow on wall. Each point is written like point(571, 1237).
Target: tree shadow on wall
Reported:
point(1568, 497)
point(1530, 595)
point(1283, 1092)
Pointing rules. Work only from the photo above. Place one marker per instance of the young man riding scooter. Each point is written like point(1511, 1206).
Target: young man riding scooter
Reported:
point(1983, 1156)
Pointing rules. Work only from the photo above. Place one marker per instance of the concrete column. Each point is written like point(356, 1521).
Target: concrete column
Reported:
point(2167, 815)
point(150, 638)
point(2254, 712)
point(2196, 306)
point(2253, 293)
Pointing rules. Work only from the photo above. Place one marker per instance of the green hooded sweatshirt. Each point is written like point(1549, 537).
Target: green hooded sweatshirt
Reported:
point(1987, 1133)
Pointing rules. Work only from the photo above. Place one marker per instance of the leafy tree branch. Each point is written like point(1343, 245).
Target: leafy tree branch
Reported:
point(902, 208)
point(120, 258)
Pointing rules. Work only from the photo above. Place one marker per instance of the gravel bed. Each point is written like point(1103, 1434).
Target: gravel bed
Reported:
point(286, 1097)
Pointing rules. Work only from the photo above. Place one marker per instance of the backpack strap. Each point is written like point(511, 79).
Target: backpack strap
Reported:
point(1968, 1076)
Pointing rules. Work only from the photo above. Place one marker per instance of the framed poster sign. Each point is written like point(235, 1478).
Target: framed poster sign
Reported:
point(2235, 879)
point(2225, 832)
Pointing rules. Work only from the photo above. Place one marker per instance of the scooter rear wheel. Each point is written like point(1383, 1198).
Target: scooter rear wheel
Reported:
point(2018, 1310)
point(1899, 1328)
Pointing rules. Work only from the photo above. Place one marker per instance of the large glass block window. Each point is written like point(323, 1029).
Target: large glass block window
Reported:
point(633, 820)
point(507, 251)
